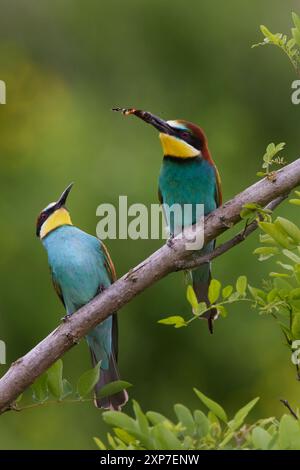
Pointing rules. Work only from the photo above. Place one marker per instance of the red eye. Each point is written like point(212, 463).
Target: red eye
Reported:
point(185, 135)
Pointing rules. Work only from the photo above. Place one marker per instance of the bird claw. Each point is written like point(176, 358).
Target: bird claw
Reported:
point(170, 241)
point(65, 318)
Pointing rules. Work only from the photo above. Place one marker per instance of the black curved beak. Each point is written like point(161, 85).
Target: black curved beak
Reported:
point(62, 200)
point(155, 121)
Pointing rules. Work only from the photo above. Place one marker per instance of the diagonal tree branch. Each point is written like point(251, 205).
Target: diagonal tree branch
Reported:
point(25, 370)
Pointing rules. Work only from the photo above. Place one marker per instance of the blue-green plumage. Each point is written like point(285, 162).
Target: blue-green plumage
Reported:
point(190, 181)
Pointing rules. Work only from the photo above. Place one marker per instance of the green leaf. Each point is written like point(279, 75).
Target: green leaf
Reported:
point(252, 206)
point(272, 295)
point(227, 291)
point(264, 238)
point(192, 298)
point(266, 32)
point(261, 438)
point(67, 388)
point(296, 20)
point(202, 424)
point(55, 380)
point(114, 387)
point(212, 406)
point(164, 438)
point(111, 441)
point(282, 284)
point(175, 320)
point(265, 252)
point(289, 227)
point(185, 417)
point(246, 213)
point(124, 436)
point(156, 418)
point(234, 297)
point(289, 433)
point(40, 388)
point(141, 418)
point(296, 35)
point(241, 285)
point(214, 290)
point(257, 294)
point(275, 233)
point(88, 380)
point(273, 274)
point(202, 307)
point(289, 254)
point(222, 311)
point(295, 293)
point(288, 267)
point(99, 443)
point(242, 414)
point(296, 325)
point(296, 202)
point(120, 420)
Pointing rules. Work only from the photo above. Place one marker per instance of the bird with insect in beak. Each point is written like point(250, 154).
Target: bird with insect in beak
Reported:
point(188, 176)
point(81, 268)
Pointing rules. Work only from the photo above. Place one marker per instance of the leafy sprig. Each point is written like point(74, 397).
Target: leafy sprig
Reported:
point(289, 45)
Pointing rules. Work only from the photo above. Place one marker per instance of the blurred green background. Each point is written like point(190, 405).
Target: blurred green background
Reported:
point(66, 63)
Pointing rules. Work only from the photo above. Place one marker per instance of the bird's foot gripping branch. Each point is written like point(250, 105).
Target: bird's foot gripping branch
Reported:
point(28, 368)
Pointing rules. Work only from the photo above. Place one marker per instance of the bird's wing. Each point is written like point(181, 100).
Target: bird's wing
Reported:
point(160, 198)
point(218, 195)
point(108, 263)
point(57, 288)
point(113, 277)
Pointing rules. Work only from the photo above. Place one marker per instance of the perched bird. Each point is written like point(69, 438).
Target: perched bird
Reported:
point(188, 176)
point(81, 268)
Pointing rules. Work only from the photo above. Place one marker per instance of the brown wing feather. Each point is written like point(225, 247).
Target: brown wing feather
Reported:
point(58, 290)
point(160, 198)
point(109, 264)
point(218, 188)
point(113, 277)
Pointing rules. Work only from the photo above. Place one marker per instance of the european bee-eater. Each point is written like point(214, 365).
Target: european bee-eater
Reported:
point(81, 268)
point(188, 176)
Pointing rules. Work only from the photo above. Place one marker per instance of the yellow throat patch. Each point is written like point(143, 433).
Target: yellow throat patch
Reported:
point(174, 147)
point(59, 217)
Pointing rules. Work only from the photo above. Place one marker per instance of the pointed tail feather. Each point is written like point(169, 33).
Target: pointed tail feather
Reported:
point(201, 280)
point(116, 401)
point(112, 402)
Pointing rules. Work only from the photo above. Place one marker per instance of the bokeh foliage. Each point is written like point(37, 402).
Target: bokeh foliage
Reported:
point(66, 63)
point(194, 430)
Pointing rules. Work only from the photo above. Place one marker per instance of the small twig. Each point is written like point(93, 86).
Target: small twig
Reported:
point(288, 406)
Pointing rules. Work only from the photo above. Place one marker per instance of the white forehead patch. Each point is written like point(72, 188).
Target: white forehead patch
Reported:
point(177, 125)
point(52, 204)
